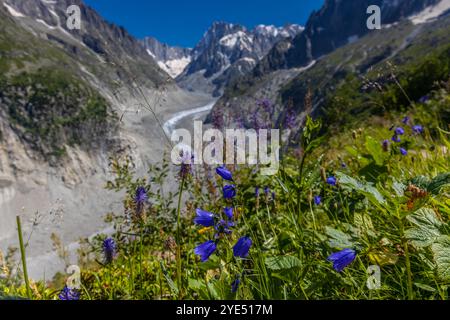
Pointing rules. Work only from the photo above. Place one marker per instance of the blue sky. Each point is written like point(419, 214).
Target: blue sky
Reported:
point(182, 22)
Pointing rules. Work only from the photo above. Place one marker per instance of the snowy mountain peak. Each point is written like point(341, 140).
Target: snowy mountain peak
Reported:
point(229, 50)
point(173, 60)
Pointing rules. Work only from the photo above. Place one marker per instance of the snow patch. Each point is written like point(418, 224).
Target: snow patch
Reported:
point(45, 24)
point(431, 13)
point(249, 60)
point(232, 40)
point(13, 11)
point(174, 67)
point(151, 54)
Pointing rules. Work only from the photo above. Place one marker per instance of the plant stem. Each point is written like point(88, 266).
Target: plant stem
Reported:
point(179, 239)
point(24, 260)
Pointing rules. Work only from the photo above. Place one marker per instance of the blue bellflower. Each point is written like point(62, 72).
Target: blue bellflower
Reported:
point(317, 200)
point(229, 191)
point(331, 181)
point(242, 247)
point(403, 151)
point(224, 173)
point(204, 218)
point(399, 131)
point(229, 213)
point(235, 285)
point(69, 294)
point(418, 129)
point(205, 250)
point(342, 259)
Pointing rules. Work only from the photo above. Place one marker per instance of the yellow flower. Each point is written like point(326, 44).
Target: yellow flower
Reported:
point(204, 230)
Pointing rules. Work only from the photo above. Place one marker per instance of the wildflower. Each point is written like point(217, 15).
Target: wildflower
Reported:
point(109, 249)
point(331, 181)
point(273, 196)
point(266, 191)
point(424, 99)
point(186, 159)
point(290, 119)
point(229, 213)
point(399, 131)
point(396, 138)
point(229, 191)
point(224, 173)
point(403, 151)
point(417, 129)
point(223, 227)
point(242, 247)
point(257, 192)
point(204, 218)
point(266, 104)
point(343, 165)
point(205, 250)
point(342, 259)
point(385, 145)
point(69, 294)
point(235, 285)
point(405, 120)
point(141, 196)
point(317, 200)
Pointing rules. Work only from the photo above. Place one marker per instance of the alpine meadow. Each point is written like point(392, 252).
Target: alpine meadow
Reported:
point(308, 160)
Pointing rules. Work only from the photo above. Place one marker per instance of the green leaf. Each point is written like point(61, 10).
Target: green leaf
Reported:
point(364, 223)
point(375, 150)
point(425, 287)
point(421, 182)
point(170, 282)
point(441, 253)
point(365, 188)
point(427, 228)
point(435, 185)
point(339, 239)
point(282, 262)
point(399, 188)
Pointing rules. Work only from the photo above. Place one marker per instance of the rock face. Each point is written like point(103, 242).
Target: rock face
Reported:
point(70, 100)
point(173, 60)
point(107, 42)
point(336, 24)
point(228, 51)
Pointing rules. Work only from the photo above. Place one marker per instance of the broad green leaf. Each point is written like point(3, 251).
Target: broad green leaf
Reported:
point(282, 262)
point(375, 150)
point(363, 187)
point(339, 239)
point(427, 228)
point(435, 185)
point(364, 223)
point(421, 182)
point(441, 253)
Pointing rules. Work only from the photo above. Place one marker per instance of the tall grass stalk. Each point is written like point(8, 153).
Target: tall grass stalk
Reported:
point(23, 257)
point(179, 280)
